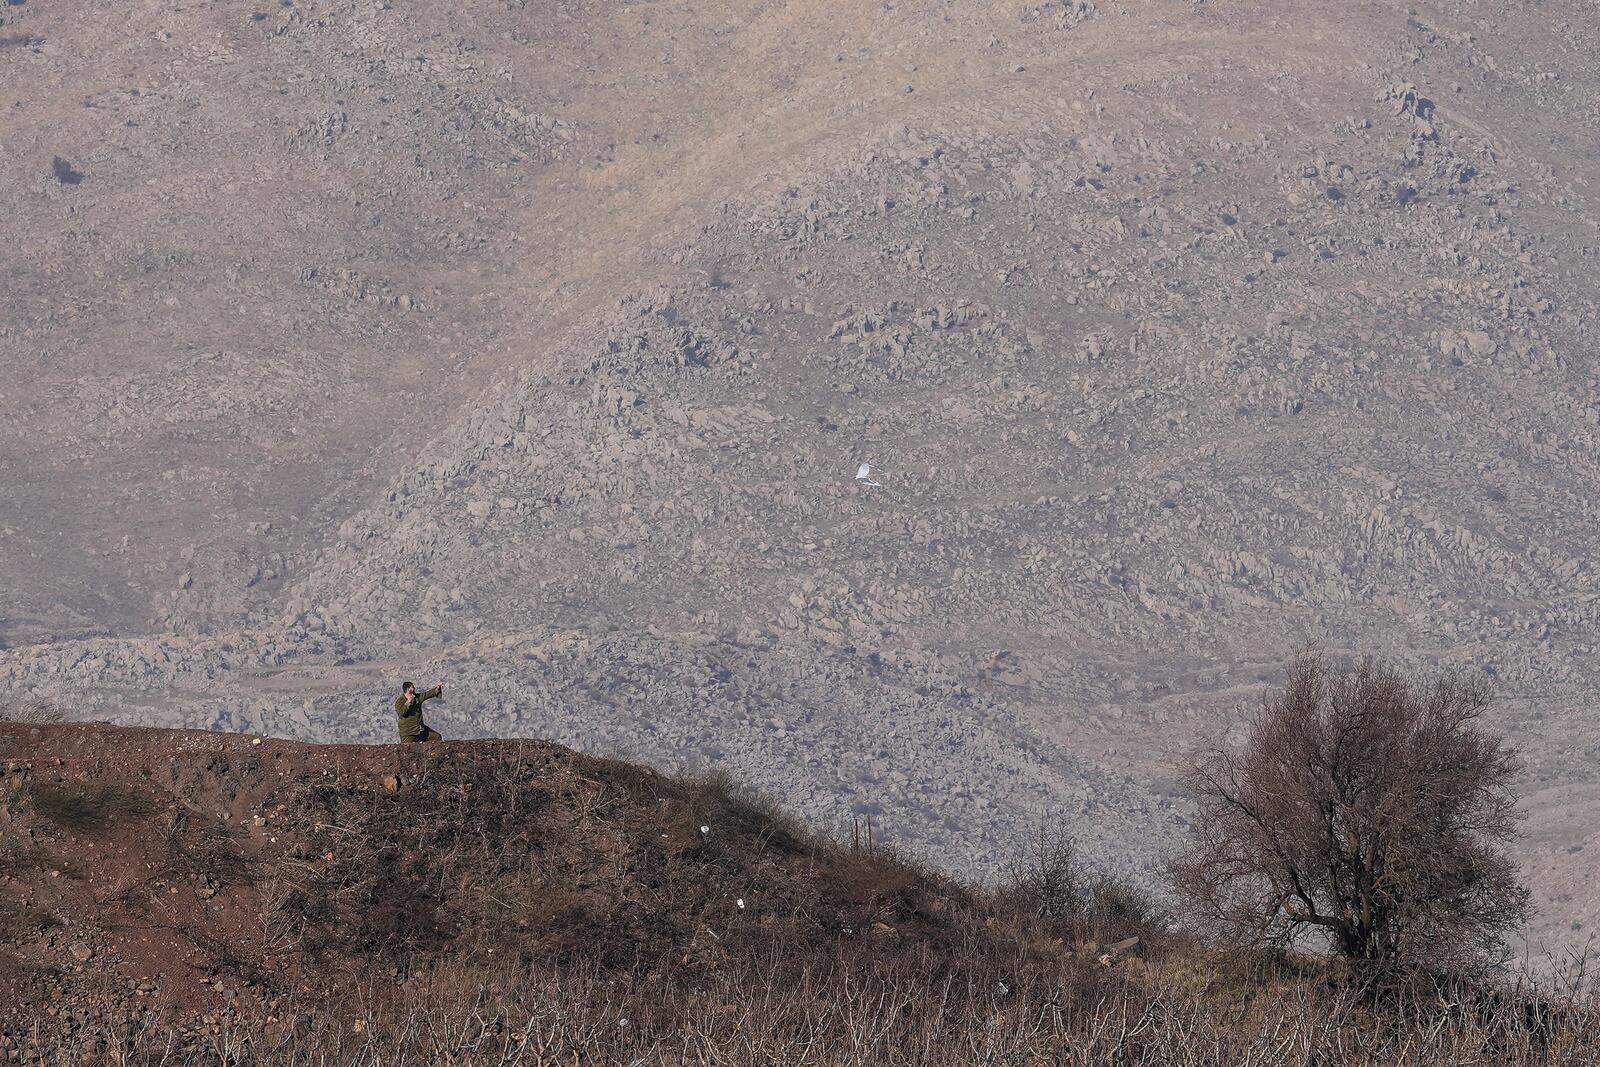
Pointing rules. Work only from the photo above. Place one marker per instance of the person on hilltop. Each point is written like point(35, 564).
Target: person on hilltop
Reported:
point(408, 713)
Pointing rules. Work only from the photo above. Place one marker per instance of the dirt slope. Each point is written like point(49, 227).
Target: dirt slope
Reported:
point(183, 871)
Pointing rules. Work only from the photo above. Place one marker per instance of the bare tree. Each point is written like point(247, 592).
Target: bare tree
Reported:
point(1051, 883)
point(1048, 879)
point(1368, 806)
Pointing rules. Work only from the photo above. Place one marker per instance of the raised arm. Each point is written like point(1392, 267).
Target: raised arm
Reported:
point(436, 691)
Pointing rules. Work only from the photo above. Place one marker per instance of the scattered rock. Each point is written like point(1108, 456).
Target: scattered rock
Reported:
point(64, 172)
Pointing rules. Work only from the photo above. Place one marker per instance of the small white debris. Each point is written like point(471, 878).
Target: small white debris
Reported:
point(705, 829)
point(864, 476)
point(740, 902)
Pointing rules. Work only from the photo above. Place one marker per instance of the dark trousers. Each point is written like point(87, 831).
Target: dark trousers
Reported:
point(425, 734)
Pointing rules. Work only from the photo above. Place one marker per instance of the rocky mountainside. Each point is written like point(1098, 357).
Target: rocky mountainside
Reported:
point(536, 346)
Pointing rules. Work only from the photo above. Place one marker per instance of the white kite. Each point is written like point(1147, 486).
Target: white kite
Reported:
point(864, 476)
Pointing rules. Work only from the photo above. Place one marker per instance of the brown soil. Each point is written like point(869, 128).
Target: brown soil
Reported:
point(198, 873)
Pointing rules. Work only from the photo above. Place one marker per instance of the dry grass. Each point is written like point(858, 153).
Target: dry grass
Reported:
point(762, 1016)
point(85, 810)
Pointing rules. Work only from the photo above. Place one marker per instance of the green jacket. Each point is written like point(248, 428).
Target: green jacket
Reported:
point(409, 712)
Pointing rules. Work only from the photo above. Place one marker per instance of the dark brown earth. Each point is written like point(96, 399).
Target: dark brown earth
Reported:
point(193, 874)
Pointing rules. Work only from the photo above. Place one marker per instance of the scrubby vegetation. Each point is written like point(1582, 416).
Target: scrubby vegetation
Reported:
point(865, 959)
point(514, 902)
point(1183, 1009)
point(1370, 808)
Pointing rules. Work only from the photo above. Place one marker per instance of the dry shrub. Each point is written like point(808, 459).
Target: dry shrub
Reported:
point(1368, 806)
point(1049, 884)
point(755, 1015)
point(738, 808)
point(214, 855)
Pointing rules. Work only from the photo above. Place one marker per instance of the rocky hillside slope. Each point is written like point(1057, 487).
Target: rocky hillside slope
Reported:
point(536, 345)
